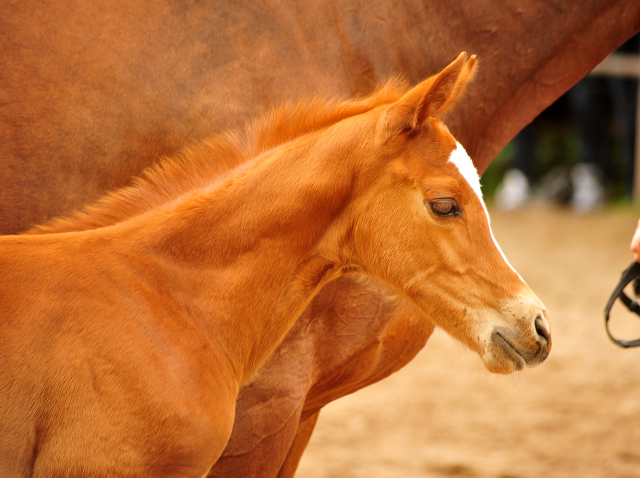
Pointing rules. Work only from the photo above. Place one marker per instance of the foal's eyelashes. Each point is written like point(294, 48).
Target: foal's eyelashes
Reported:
point(445, 207)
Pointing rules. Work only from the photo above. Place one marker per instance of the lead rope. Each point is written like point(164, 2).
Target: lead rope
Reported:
point(628, 275)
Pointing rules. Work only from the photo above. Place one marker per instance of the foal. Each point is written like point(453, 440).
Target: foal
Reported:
point(122, 348)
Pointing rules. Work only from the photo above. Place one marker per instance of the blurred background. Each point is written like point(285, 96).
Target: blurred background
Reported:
point(560, 198)
point(579, 152)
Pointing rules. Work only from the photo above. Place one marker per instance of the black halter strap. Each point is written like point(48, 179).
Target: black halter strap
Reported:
point(628, 275)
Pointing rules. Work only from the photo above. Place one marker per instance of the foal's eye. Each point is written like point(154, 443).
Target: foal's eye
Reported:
point(445, 207)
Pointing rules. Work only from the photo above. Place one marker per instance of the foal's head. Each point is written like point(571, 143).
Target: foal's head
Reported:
point(420, 224)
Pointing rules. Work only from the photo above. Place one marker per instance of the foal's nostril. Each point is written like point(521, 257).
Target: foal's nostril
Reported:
point(541, 329)
point(544, 339)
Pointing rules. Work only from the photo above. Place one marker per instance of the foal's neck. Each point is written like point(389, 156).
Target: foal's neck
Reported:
point(249, 255)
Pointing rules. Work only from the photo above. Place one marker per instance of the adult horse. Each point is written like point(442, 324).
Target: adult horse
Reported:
point(124, 346)
point(93, 93)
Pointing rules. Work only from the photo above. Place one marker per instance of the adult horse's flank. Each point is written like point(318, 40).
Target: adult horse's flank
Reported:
point(123, 347)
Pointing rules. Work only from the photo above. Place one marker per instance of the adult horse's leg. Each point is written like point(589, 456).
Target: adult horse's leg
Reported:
point(399, 333)
point(353, 334)
point(300, 442)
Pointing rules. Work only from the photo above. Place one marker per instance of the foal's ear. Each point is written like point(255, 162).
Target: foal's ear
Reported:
point(432, 97)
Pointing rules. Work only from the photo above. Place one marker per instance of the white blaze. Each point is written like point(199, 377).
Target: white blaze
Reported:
point(463, 162)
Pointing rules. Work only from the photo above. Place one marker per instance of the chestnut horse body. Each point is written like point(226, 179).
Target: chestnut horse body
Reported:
point(124, 346)
point(93, 93)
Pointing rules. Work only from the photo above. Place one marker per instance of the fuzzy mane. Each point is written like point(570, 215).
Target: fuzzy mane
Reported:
point(196, 166)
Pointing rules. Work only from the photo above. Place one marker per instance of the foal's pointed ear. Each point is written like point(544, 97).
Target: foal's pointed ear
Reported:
point(432, 97)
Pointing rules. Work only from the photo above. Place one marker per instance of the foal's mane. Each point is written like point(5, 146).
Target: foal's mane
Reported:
point(196, 166)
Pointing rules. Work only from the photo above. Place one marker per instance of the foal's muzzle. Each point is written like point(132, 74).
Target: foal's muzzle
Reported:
point(529, 350)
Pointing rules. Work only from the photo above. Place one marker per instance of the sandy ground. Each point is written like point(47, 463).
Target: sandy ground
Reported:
point(444, 415)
